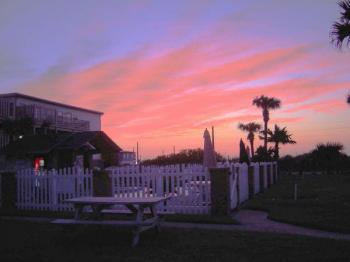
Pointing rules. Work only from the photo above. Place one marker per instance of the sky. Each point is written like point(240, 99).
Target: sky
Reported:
point(163, 71)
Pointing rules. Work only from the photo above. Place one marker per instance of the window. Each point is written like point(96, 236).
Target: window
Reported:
point(37, 113)
point(12, 109)
point(59, 116)
point(96, 157)
point(50, 115)
point(67, 117)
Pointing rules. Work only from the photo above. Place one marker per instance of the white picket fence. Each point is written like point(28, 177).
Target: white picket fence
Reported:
point(189, 184)
point(242, 186)
point(47, 190)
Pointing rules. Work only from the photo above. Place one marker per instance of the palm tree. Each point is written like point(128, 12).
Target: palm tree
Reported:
point(266, 103)
point(341, 29)
point(251, 128)
point(279, 136)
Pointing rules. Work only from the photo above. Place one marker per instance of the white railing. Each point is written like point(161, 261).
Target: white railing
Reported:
point(47, 190)
point(190, 186)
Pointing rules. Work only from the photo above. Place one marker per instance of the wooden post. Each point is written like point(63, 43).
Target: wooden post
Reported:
point(295, 191)
point(220, 190)
point(251, 184)
point(261, 177)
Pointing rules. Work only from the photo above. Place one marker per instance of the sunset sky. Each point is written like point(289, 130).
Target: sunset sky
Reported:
point(163, 71)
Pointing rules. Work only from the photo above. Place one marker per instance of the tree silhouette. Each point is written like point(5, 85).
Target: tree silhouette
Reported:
point(348, 99)
point(17, 127)
point(186, 156)
point(262, 155)
point(279, 136)
point(243, 155)
point(45, 126)
point(266, 104)
point(251, 128)
point(328, 156)
point(341, 29)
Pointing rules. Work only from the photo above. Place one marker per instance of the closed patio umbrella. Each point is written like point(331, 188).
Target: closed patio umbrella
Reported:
point(248, 152)
point(209, 159)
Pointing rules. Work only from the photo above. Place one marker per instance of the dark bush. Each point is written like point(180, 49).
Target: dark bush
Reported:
point(8, 190)
point(102, 183)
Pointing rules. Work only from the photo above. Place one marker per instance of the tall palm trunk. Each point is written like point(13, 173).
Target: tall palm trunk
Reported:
point(277, 154)
point(265, 135)
point(251, 147)
point(266, 119)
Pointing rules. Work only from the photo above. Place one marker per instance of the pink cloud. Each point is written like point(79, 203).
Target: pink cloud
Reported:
point(327, 106)
point(172, 97)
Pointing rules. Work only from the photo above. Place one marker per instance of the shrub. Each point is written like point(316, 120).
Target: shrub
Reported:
point(102, 183)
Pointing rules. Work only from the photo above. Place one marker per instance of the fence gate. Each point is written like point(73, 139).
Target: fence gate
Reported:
point(190, 186)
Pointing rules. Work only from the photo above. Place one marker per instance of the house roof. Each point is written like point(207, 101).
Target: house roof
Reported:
point(44, 144)
point(18, 95)
point(77, 140)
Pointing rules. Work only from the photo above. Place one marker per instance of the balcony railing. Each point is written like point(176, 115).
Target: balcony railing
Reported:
point(74, 125)
point(56, 122)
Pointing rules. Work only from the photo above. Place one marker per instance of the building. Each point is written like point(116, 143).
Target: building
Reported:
point(58, 135)
point(127, 158)
point(55, 116)
point(85, 149)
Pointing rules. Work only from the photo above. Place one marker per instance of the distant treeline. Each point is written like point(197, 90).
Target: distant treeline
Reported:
point(186, 156)
point(327, 158)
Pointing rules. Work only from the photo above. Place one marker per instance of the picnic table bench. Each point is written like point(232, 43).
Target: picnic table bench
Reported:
point(136, 205)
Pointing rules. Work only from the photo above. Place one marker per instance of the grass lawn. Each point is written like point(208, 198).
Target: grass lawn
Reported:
point(28, 241)
point(323, 201)
point(206, 219)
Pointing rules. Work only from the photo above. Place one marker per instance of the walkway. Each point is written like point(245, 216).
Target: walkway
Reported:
point(257, 221)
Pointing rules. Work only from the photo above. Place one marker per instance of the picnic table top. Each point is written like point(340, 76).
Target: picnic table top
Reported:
point(117, 200)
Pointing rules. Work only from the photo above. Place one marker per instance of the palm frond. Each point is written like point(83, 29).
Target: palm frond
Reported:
point(340, 32)
point(345, 14)
point(280, 135)
point(266, 102)
point(250, 127)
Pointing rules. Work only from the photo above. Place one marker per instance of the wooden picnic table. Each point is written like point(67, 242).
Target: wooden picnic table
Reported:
point(136, 205)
